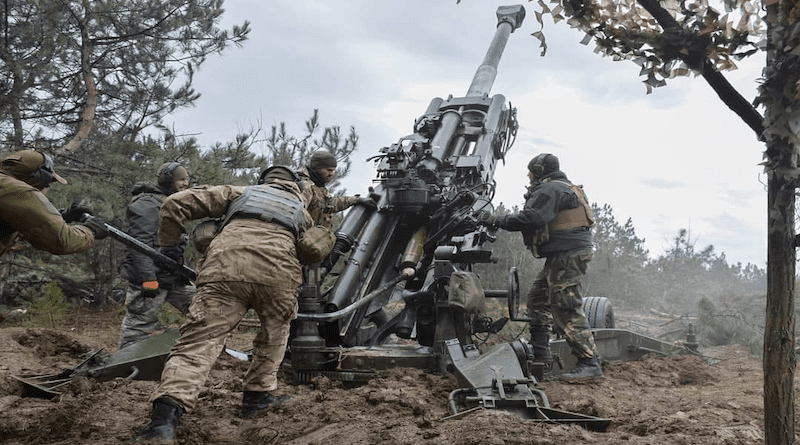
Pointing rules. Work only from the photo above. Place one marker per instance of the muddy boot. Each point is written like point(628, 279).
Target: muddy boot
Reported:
point(255, 401)
point(166, 417)
point(586, 367)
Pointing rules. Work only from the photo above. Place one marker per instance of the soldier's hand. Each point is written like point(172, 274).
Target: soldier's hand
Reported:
point(367, 202)
point(76, 210)
point(150, 289)
point(174, 253)
point(97, 226)
point(488, 220)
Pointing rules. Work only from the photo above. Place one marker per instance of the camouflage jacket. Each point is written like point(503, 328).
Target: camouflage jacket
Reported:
point(321, 204)
point(246, 250)
point(26, 212)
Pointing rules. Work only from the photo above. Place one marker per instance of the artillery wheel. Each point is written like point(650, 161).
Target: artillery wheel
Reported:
point(598, 312)
point(514, 296)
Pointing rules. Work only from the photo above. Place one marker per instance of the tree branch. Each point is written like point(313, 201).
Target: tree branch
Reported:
point(726, 92)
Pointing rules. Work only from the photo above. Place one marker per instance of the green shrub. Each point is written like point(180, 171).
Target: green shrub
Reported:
point(47, 309)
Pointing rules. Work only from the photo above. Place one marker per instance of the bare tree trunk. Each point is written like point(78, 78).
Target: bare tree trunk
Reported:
point(779, 360)
point(779, 94)
point(91, 91)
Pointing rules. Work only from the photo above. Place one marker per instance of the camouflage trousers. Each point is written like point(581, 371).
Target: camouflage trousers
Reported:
point(215, 312)
point(141, 312)
point(555, 298)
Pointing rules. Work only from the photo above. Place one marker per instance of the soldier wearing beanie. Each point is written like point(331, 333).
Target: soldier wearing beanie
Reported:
point(322, 205)
point(25, 211)
point(555, 224)
point(149, 287)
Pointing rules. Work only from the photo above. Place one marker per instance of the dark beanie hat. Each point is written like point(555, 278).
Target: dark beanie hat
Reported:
point(322, 159)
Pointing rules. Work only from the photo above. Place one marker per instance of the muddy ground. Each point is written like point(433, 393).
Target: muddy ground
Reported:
point(679, 400)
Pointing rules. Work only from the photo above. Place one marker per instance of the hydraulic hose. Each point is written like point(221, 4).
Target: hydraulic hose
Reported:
point(330, 316)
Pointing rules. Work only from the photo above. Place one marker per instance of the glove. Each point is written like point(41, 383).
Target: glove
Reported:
point(174, 253)
point(76, 210)
point(488, 220)
point(150, 289)
point(367, 202)
point(97, 226)
point(167, 277)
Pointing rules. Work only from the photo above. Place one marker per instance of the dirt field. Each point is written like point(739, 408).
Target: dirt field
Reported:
point(661, 401)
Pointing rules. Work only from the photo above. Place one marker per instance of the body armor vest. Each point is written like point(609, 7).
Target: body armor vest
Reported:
point(580, 216)
point(271, 204)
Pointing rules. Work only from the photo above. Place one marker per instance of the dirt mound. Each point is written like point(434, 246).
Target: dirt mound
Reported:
point(652, 401)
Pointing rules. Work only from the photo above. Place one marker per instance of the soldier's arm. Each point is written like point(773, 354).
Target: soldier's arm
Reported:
point(39, 222)
point(335, 203)
point(540, 208)
point(194, 203)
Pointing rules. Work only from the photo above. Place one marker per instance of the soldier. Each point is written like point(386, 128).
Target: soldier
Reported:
point(555, 224)
point(148, 286)
point(251, 263)
point(321, 204)
point(25, 211)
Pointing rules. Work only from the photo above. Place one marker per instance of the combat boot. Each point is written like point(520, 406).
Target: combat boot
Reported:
point(586, 367)
point(166, 417)
point(540, 343)
point(255, 401)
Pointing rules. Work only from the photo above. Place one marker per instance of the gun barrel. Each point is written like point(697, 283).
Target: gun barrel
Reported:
point(509, 18)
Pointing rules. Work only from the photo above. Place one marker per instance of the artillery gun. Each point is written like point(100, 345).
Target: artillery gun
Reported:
point(416, 252)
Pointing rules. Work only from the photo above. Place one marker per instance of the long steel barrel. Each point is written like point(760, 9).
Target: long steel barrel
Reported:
point(509, 18)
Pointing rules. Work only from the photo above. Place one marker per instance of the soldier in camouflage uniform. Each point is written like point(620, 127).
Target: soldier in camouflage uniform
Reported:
point(555, 223)
point(25, 211)
point(251, 264)
point(321, 204)
point(148, 286)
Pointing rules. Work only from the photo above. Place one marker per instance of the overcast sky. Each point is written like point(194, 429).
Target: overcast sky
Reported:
point(676, 158)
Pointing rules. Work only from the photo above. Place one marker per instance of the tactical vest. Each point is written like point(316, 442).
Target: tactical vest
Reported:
point(580, 216)
point(271, 204)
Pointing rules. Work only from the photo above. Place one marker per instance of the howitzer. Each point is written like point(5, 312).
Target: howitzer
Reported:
point(429, 186)
point(161, 260)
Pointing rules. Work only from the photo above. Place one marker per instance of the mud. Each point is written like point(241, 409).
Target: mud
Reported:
point(679, 400)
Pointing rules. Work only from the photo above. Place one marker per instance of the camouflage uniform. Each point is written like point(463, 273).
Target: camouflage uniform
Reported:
point(556, 292)
point(26, 212)
point(251, 263)
point(321, 204)
point(142, 308)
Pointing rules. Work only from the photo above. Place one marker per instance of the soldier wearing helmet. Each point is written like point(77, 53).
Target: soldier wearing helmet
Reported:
point(148, 286)
point(25, 211)
point(251, 263)
point(555, 224)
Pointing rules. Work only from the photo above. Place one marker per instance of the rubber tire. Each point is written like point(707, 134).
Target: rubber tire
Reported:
point(599, 312)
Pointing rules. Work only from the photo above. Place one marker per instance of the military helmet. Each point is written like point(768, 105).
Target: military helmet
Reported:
point(32, 167)
point(280, 172)
point(168, 173)
point(543, 164)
